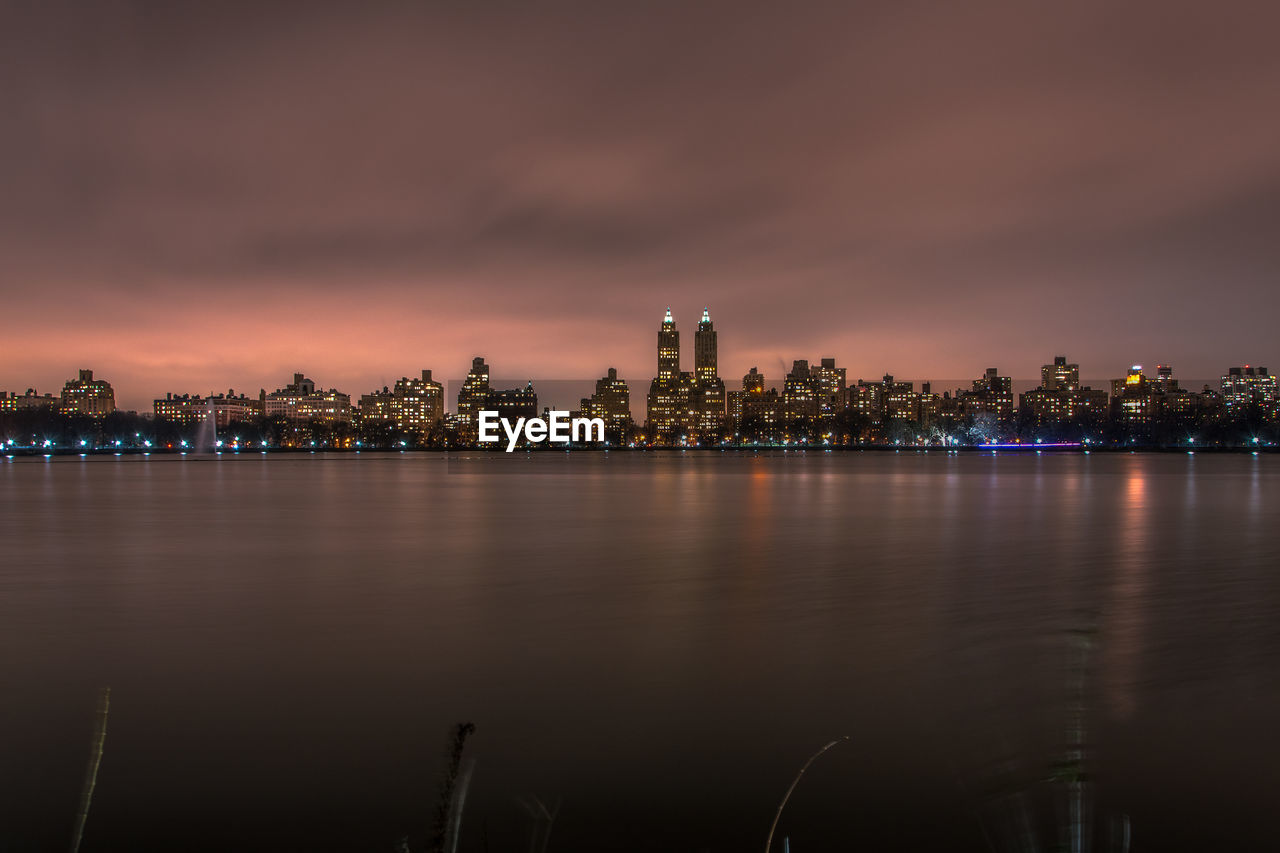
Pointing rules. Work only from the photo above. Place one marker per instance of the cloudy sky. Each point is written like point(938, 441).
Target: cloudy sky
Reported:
point(217, 195)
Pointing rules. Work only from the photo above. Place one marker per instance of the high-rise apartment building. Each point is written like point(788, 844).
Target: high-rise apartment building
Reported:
point(930, 405)
point(417, 403)
point(886, 400)
point(1060, 400)
point(1133, 400)
point(301, 400)
point(754, 408)
point(800, 393)
point(1245, 387)
point(667, 409)
point(414, 404)
point(866, 400)
point(1060, 376)
point(901, 403)
point(707, 396)
point(88, 396)
point(472, 396)
point(611, 402)
point(829, 384)
point(668, 350)
point(992, 395)
point(705, 367)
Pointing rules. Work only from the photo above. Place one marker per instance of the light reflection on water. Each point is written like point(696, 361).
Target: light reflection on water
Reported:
point(658, 639)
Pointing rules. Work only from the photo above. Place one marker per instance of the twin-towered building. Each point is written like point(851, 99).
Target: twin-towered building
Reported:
point(684, 405)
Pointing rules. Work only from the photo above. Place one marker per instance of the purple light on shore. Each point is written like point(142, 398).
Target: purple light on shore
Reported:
point(1029, 446)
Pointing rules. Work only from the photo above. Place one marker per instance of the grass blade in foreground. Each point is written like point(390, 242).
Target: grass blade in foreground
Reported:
point(91, 770)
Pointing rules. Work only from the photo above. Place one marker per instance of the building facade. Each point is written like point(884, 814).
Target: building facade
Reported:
point(611, 402)
point(667, 407)
point(800, 394)
point(301, 401)
point(707, 397)
point(30, 400)
point(514, 403)
point(471, 397)
point(829, 385)
point(88, 396)
point(1249, 387)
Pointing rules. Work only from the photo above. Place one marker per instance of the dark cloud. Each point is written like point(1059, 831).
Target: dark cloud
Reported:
point(921, 188)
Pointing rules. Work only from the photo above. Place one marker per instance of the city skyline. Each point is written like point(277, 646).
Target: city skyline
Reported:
point(773, 378)
point(813, 402)
point(197, 195)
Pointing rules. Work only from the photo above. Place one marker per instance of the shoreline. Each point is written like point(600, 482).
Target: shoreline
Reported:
point(37, 453)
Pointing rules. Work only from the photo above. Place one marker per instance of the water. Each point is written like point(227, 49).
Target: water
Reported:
point(656, 642)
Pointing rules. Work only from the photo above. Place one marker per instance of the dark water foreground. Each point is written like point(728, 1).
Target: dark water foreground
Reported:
point(655, 642)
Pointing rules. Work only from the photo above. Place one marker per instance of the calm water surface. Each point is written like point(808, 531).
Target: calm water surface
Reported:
point(655, 642)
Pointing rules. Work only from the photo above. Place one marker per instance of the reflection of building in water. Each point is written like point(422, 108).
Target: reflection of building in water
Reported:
point(1127, 599)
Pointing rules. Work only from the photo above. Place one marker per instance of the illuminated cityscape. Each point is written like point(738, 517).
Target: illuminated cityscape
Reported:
point(813, 404)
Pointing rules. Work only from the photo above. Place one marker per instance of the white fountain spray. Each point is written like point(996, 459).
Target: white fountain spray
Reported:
point(207, 433)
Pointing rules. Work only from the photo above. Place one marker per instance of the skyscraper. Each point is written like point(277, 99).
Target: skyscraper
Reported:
point(991, 395)
point(1133, 401)
point(472, 396)
point(668, 401)
point(1245, 387)
point(707, 399)
point(1060, 376)
point(1060, 404)
point(800, 394)
point(704, 350)
point(829, 381)
point(611, 403)
point(417, 404)
point(760, 410)
point(668, 350)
